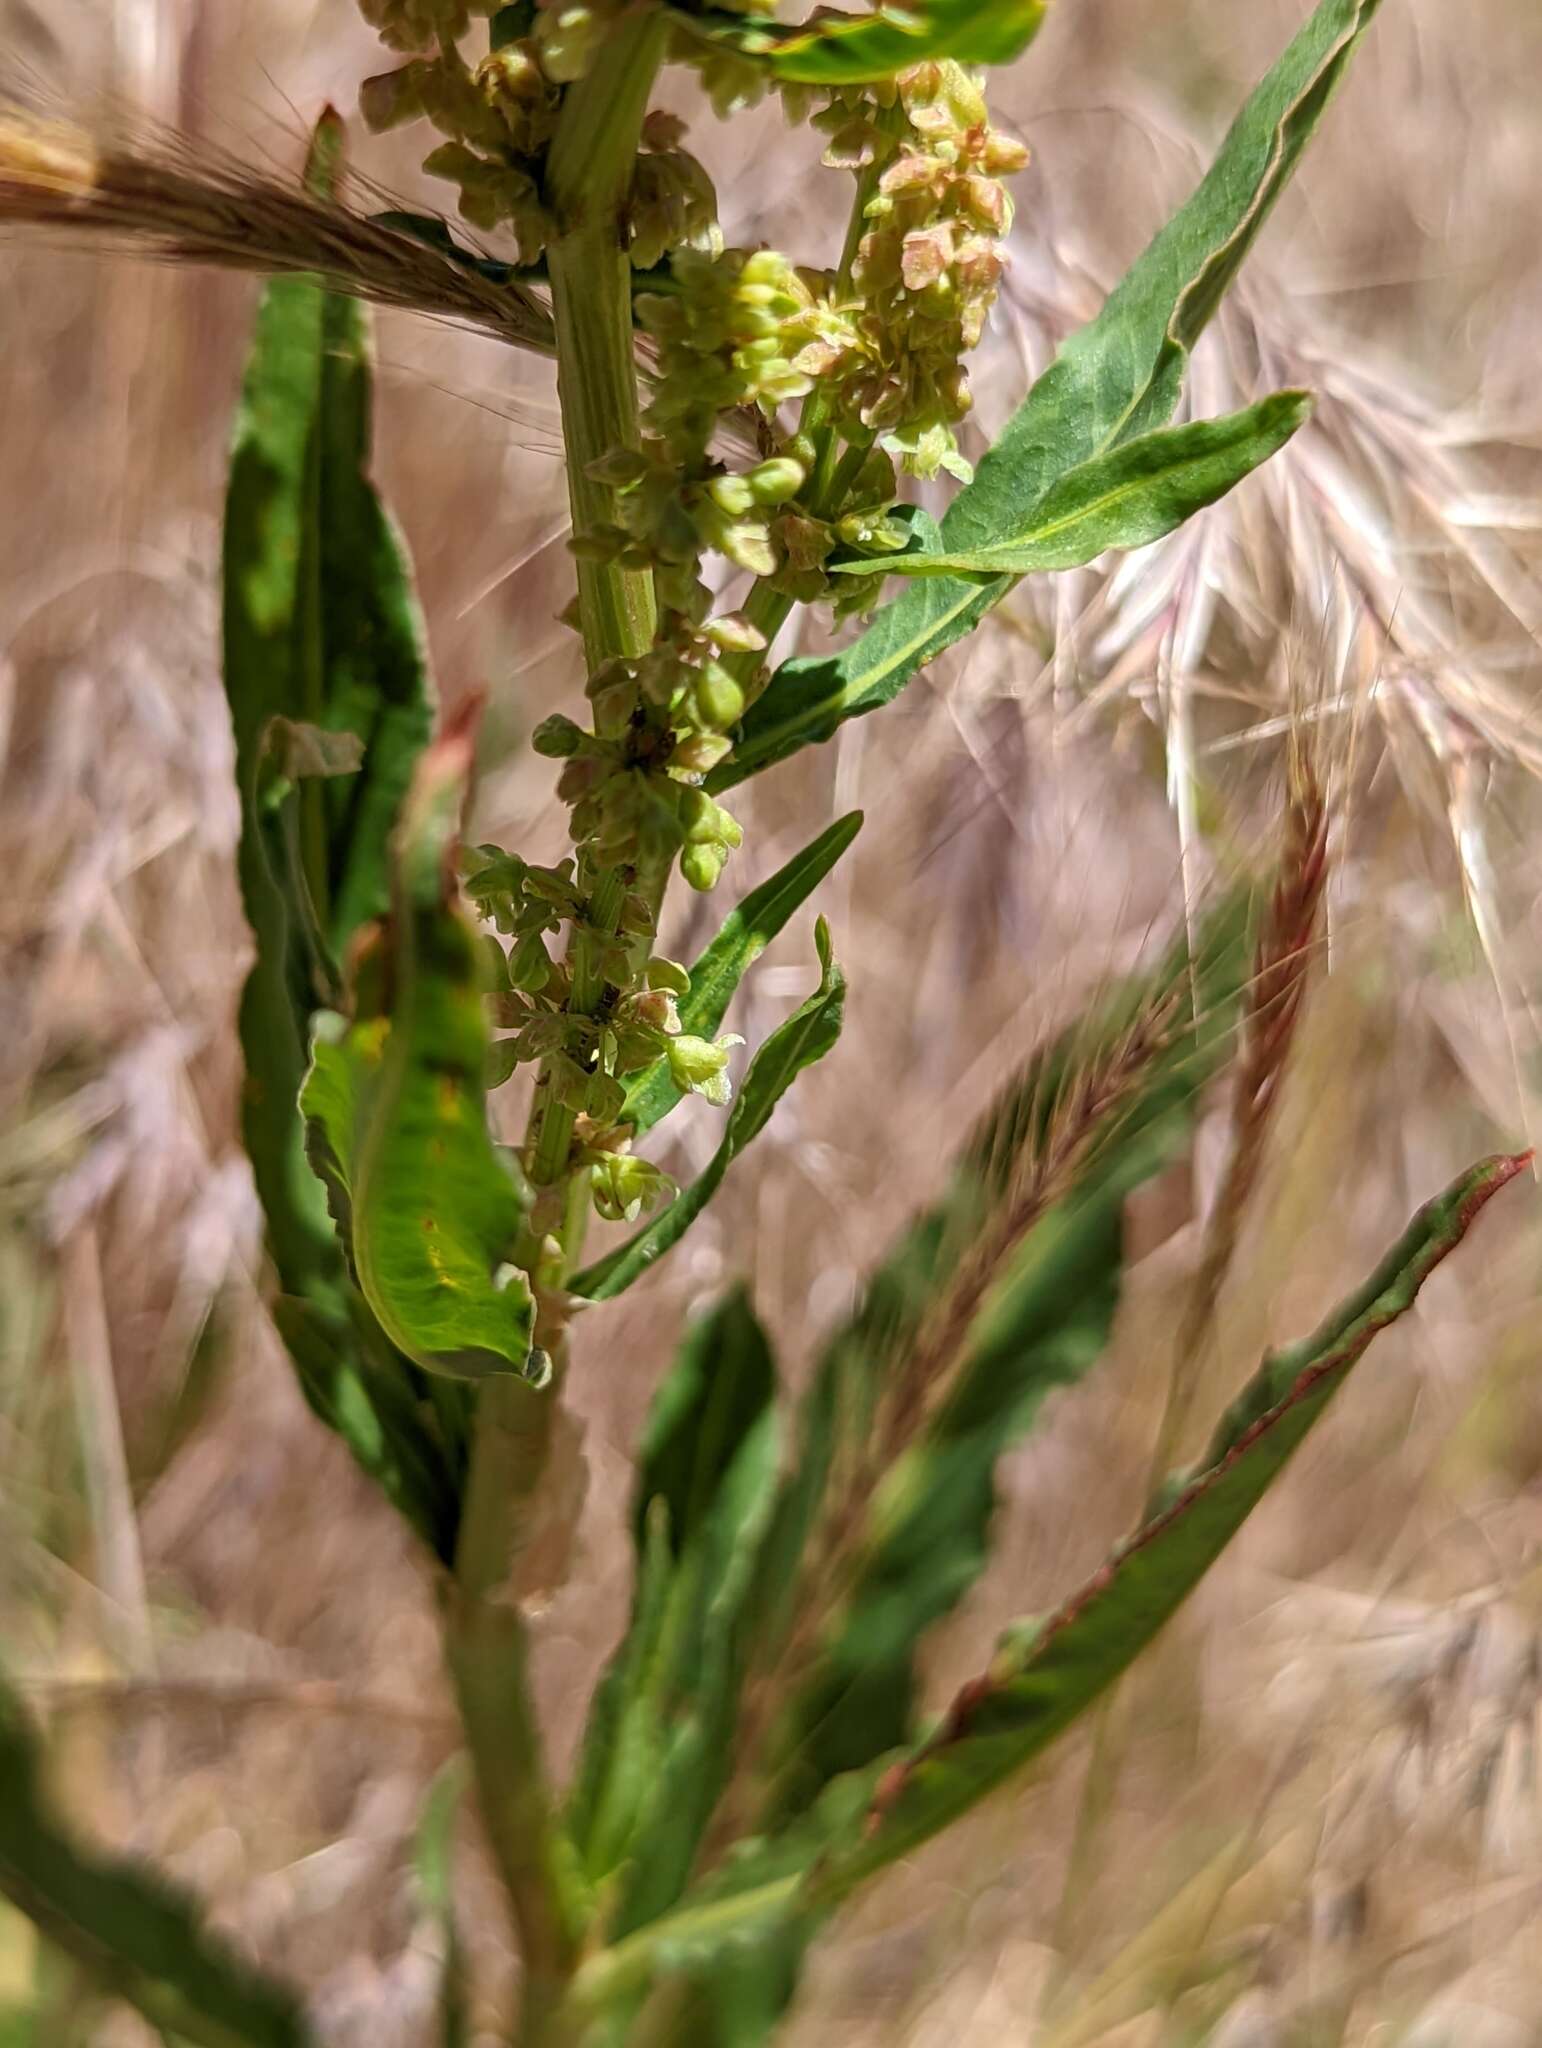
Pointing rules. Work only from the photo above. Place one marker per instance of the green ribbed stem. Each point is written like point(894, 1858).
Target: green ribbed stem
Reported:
point(588, 175)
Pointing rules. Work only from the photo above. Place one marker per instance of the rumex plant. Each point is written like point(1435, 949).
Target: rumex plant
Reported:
point(757, 1748)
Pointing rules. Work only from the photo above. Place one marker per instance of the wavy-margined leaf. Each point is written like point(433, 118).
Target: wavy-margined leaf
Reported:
point(396, 1112)
point(321, 637)
point(745, 935)
point(988, 1302)
point(768, 1904)
point(1118, 378)
point(1129, 497)
point(136, 1937)
point(321, 629)
point(659, 1734)
point(1033, 1692)
point(841, 49)
point(807, 1036)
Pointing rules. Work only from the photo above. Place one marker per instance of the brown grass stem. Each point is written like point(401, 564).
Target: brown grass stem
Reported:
point(207, 210)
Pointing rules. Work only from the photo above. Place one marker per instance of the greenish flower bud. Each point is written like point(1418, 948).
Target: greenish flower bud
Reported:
point(700, 1066)
point(701, 866)
point(392, 98)
point(668, 974)
point(732, 494)
point(652, 1010)
point(557, 737)
point(623, 1187)
point(530, 966)
point(569, 39)
point(604, 1099)
point(613, 709)
point(582, 777)
point(697, 754)
point(621, 468)
point(774, 482)
point(718, 699)
point(637, 919)
point(702, 819)
point(733, 634)
point(746, 543)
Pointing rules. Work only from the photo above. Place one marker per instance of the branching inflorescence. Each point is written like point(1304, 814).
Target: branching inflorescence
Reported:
point(870, 351)
point(759, 1744)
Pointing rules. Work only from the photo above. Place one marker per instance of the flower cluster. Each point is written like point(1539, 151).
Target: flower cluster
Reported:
point(727, 325)
point(587, 1058)
point(499, 117)
point(731, 331)
point(925, 272)
point(422, 24)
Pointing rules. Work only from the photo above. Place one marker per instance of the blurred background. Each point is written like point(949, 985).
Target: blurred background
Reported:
point(1327, 1824)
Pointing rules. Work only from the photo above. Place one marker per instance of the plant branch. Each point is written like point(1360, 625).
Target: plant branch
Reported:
point(588, 176)
point(488, 1650)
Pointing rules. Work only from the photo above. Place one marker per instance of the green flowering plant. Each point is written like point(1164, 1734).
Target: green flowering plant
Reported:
point(757, 1749)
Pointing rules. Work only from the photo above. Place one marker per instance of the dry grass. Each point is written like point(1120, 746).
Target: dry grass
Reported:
point(1327, 1825)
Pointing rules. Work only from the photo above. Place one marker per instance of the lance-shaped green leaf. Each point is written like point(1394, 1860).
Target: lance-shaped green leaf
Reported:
point(1003, 1291)
point(1117, 379)
point(736, 1939)
point(842, 49)
point(769, 1904)
point(397, 1115)
point(323, 665)
point(807, 1036)
point(1035, 1690)
point(135, 1936)
point(745, 935)
point(321, 633)
point(1129, 497)
point(658, 1741)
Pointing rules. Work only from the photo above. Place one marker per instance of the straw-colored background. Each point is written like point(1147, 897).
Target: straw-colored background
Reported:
point(1326, 1829)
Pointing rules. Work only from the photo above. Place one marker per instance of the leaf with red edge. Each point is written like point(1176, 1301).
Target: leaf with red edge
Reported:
point(1035, 1690)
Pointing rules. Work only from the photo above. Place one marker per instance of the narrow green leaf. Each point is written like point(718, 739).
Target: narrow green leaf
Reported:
point(396, 1112)
point(842, 49)
point(1129, 497)
point(807, 1036)
point(745, 935)
point(1033, 1693)
point(136, 1937)
point(737, 1936)
point(1117, 379)
point(1038, 1318)
point(768, 1904)
point(321, 636)
point(321, 629)
point(658, 1742)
